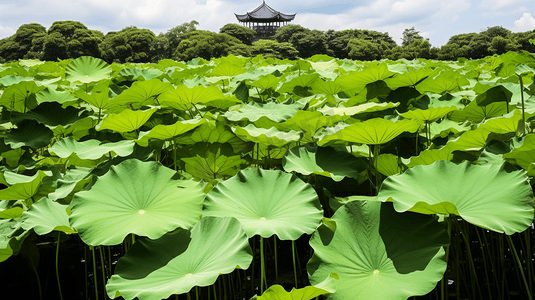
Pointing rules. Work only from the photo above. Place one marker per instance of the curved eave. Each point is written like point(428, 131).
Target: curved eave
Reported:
point(277, 18)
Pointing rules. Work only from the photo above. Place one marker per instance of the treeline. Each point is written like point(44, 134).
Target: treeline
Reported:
point(72, 39)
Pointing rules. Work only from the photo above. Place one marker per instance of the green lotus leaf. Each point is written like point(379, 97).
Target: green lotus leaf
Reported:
point(325, 161)
point(266, 82)
point(11, 209)
point(184, 98)
point(137, 197)
point(224, 104)
point(428, 157)
point(227, 69)
point(374, 131)
point(44, 216)
point(29, 133)
point(176, 262)
point(133, 74)
point(127, 120)
point(410, 78)
point(51, 114)
point(378, 253)
point(326, 87)
point(445, 128)
point(495, 94)
point(277, 292)
point(212, 132)
point(20, 97)
point(326, 65)
point(272, 136)
point(98, 98)
point(213, 161)
point(308, 122)
point(87, 69)
point(167, 132)
point(90, 149)
point(14, 79)
point(22, 187)
point(430, 114)
point(141, 93)
point(304, 80)
point(286, 206)
point(357, 109)
point(445, 82)
point(476, 113)
point(488, 196)
point(358, 80)
point(276, 112)
point(524, 155)
point(73, 181)
point(51, 95)
point(473, 140)
point(504, 124)
point(11, 238)
point(389, 164)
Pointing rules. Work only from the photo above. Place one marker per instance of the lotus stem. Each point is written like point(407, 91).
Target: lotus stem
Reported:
point(57, 267)
point(519, 265)
point(523, 112)
point(293, 259)
point(102, 266)
point(262, 267)
point(276, 267)
point(94, 271)
point(197, 293)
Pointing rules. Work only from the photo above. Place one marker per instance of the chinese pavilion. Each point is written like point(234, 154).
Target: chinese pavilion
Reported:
point(264, 19)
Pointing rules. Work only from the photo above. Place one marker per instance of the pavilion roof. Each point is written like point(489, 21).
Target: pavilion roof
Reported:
point(264, 13)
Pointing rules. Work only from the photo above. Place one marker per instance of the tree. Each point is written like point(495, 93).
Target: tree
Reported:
point(159, 48)
point(207, 45)
point(22, 42)
point(409, 36)
point(70, 39)
point(453, 51)
point(309, 43)
point(500, 45)
point(274, 49)
point(244, 34)
point(495, 31)
point(285, 33)
point(361, 49)
point(176, 34)
point(337, 41)
point(131, 44)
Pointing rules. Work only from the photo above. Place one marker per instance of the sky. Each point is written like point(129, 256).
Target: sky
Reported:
point(437, 20)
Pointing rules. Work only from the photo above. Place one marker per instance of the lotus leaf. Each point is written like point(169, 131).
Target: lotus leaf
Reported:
point(137, 197)
point(430, 114)
point(64, 98)
point(90, 149)
point(325, 161)
point(272, 136)
point(308, 122)
point(156, 269)
point(277, 292)
point(133, 74)
point(428, 157)
point(357, 109)
point(127, 120)
point(11, 209)
point(371, 132)
point(496, 94)
point(29, 133)
point(488, 196)
point(22, 187)
point(266, 82)
point(445, 82)
point(523, 155)
point(167, 132)
point(266, 202)
point(142, 93)
point(20, 97)
point(359, 79)
point(11, 238)
point(184, 98)
point(87, 69)
point(45, 216)
point(378, 253)
point(212, 161)
point(276, 112)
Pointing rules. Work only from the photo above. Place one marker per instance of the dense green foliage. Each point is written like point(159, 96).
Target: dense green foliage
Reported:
point(70, 39)
point(249, 176)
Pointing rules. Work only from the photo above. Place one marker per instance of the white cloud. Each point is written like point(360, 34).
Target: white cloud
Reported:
point(525, 23)
point(6, 31)
point(500, 5)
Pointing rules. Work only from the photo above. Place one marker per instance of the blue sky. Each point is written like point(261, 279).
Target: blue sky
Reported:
point(435, 19)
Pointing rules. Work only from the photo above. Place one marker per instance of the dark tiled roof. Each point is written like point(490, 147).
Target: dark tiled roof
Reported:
point(264, 13)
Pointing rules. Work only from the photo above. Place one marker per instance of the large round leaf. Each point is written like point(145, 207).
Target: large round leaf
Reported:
point(267, 202)
point(176, 262)
point(378, 253)
point(45, 216)
point(137, 197)
point(87, 69)
point(488, 196)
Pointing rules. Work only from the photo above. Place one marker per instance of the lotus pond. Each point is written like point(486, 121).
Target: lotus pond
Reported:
point(256, 178)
